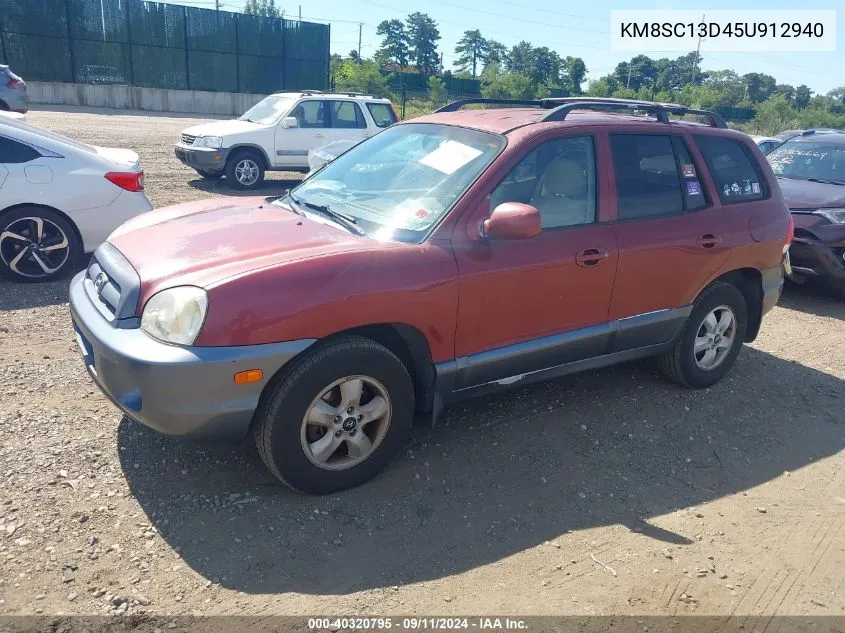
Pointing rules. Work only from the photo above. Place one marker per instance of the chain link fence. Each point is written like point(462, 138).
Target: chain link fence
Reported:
point(158, 45)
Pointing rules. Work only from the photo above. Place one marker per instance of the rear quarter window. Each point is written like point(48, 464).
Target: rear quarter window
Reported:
point(382, 114)
point(734, 169)
point(14, 152)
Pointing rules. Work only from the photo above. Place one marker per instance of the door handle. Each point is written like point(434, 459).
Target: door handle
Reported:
point(708, 240)
point(590, 257)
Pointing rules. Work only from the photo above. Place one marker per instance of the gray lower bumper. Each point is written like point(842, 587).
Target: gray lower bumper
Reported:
point(211, 160)
point(772, 285)
point(186, 391)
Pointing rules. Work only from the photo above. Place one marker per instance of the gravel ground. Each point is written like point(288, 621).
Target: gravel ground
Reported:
point(610, 492)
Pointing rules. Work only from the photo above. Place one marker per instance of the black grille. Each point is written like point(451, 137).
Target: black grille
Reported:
point(187, 139)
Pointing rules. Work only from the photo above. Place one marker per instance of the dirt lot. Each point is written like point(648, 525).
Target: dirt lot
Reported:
point(610, 492)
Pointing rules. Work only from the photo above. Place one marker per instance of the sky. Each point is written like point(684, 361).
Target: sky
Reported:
point(580, 29)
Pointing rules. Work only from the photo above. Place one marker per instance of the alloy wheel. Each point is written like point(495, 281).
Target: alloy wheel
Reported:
point(346, 422)
point(715, 338)
point(34, 247)
point(246, 172)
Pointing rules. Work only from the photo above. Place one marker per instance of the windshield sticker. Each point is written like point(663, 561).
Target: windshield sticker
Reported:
point(688, 171)
point(735, 188)
point(450, 156)
point(693, 188)
point(726, 191)
point(755, 187)
point(422, 214)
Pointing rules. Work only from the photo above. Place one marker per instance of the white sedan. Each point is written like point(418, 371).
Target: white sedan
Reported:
point(60, 199)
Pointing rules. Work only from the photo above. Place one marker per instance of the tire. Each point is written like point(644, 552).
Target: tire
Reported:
point(686, 366)
point(210, 175)
point(285, 438)
point(59, 249)
point(241, 163)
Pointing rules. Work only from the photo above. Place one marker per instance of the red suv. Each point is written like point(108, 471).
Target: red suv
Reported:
point(448, 256)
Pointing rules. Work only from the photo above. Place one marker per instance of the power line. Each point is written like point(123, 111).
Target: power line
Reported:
point(563, 13)
point(526, 20)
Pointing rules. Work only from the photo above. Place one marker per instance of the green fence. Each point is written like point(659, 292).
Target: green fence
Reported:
point(158, 45)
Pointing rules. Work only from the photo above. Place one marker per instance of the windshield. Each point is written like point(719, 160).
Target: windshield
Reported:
point(398, 184)
point(804, 160)
point(268, 109)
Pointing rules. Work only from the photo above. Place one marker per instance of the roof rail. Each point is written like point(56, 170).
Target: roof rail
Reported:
point(660, 111)
point(457, 105)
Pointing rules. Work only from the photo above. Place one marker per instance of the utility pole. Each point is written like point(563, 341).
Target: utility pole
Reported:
point(360, 28)
point(216, 5)
point(697, 51)
point(628, 83)
point(300, 13)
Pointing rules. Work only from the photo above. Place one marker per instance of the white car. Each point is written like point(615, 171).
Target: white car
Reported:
point(766, 143)
point(327, 153)
point(60, 199)
point(278, 132)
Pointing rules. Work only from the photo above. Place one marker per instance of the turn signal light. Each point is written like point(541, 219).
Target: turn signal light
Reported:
point(250, 375)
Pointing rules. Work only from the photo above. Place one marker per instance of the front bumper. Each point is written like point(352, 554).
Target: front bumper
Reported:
point(210, 160)
point(184, 391)
point(815, 259)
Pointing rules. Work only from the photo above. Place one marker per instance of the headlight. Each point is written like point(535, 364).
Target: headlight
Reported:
point(175, 315)
point(835, 215)
point(213, 142)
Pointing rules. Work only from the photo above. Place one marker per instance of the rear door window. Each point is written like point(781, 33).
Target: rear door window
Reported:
point(382, 114)
point(346, 114)
point(310, 114)
point(648, 182)
point(733, 168)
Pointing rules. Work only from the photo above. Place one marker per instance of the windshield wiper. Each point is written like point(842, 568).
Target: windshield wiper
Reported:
point(346, 221)
point(824, 181)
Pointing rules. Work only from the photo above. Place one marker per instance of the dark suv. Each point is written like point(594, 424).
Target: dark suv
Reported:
point(811, 171)
point(448, 256)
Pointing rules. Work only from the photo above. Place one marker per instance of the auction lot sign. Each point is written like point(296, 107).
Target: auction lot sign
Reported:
point(647, 31)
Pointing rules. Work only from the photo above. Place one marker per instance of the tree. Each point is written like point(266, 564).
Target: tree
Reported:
point(838, 94)
point(265, 8)
point(471, 49)
point(496, 84)
point(603, 86)
point(354, 56)
point(363, 77)
point(784, 90)
point(758, 86)
point(545, 66)
point(575, 71)
point(521, 58)
point(640, 71)
point(802, 97)
point(394, 46)
point(496, 53)
point(437, 89)
point(423, 36)
point(729, 86)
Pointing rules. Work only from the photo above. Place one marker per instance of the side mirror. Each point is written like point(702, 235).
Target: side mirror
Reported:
point(290, 121)
point(512, 221)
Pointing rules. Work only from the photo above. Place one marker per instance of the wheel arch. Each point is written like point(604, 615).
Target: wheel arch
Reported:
point(749, 281)
point(58, 212)
point(254, 148)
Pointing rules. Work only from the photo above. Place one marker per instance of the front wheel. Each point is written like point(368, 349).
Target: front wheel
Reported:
point(36, 244)
point(337, 417)
point(710, 340)
point(245, 170)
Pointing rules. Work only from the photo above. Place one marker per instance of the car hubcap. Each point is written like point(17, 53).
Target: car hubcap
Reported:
point(715, 338)
point(34, 247)
point(246, 171)
point(345, 424)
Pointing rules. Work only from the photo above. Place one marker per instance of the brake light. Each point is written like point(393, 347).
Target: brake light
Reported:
point(128, 180)
point(14, 82)
point(790, 232)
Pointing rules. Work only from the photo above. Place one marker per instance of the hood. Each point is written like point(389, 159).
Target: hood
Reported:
point(125, 157)
point(201, 243)
point(224, 128)
point(802, 194)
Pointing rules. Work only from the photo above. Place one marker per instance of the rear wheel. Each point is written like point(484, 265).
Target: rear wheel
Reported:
point(36, 244)
point(711, 338)
point(336, 417)
point(245, 170)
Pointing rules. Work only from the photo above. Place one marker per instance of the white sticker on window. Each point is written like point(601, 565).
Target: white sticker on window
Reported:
point(450, 156)
point(755, 187)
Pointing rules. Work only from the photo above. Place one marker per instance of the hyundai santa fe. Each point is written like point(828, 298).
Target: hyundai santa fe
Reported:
point(454, 255)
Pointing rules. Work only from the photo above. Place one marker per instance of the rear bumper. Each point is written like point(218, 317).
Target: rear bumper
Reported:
point(210, 160)
point(815, 259)
point(182, 391)
point(96, 224)
point(772, 284)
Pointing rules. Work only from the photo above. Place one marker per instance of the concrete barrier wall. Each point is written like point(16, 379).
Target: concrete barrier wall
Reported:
point(135, 98)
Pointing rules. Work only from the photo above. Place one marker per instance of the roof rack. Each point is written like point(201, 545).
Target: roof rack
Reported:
point(562, 106)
